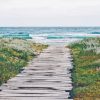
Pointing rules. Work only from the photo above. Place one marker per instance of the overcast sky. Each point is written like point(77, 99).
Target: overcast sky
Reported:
point(49, 12)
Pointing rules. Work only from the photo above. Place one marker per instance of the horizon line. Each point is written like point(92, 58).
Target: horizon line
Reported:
point(49, 26)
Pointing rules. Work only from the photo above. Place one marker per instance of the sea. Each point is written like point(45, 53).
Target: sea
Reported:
point(52, 35)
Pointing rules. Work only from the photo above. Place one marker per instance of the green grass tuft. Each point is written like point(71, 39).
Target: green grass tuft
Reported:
point(14, 55)
point(86, 71)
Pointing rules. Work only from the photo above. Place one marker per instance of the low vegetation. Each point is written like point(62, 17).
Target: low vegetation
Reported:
point(86, 71)
point(14, 55)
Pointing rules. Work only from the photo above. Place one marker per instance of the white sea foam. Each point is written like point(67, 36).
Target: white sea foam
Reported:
point(60, 38)
point(54, 38)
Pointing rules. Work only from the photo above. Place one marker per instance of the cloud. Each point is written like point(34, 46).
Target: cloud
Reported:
point(49, 12)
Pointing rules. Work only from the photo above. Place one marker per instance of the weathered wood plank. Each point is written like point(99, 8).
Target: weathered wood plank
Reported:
point(47, 77)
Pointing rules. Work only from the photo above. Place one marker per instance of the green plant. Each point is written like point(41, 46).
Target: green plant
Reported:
point(86, 71)
point(14, 55)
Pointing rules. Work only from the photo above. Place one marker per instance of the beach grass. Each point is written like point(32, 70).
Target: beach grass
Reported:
point(86, 71)
point(15, 54)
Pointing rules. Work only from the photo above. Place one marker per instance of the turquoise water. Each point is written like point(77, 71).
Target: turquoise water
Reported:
point(49, 34)
point(48, 30)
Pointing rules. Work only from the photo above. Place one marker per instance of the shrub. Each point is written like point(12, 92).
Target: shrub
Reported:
point(86, 71)
point(14, 55)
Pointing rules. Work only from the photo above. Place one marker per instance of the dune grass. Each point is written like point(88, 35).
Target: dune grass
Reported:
point(86, 71)
point(14, 55)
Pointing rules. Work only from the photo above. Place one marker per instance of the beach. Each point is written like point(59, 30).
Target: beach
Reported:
point(50, 66)
point(49, 49)
point(50, 35)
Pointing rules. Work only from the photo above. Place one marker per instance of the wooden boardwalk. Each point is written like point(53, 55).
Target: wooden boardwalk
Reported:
point(47, 77)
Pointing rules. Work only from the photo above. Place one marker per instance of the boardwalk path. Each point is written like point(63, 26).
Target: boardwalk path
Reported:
point(46, 78)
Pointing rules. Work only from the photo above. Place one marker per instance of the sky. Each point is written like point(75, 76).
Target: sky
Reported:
point(50, 13)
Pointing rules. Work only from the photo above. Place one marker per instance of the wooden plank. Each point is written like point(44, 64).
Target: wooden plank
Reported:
point(47, 77)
